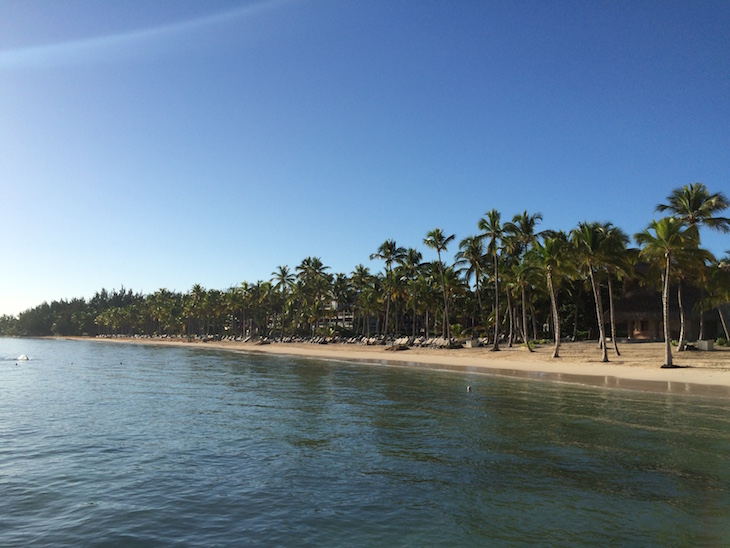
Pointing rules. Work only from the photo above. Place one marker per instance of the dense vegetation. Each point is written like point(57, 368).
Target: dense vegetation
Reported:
point(506, 283)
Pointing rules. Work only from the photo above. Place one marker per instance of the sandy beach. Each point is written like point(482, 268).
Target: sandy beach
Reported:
point(637, 368)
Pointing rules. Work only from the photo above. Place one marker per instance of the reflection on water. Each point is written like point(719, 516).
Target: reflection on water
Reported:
point(125, 444)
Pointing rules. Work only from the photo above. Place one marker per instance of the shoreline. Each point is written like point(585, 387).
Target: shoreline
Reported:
point(638, 367)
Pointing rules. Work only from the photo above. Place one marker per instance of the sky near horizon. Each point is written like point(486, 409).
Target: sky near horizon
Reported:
point(168, 143)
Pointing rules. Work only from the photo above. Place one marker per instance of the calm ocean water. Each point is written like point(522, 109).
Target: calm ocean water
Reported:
point(104, 445)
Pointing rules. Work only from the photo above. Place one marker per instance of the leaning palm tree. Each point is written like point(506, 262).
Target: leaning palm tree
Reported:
point(661, 241)
point(587, 238)
point(523, 274)
point(690, 264)
point(552, 255)
point(435, 239)
point(717, 286)
point(520, 237)
point(617, 261)
point(694, 205)
point(491, 228)
point(390, 253)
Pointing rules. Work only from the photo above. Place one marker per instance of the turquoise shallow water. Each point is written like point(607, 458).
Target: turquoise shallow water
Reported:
point(107, 445)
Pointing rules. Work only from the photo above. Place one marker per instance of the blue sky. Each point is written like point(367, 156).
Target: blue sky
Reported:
point(168, 143)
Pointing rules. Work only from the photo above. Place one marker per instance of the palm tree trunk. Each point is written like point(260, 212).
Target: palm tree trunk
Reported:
point(556, 316)
point(413, 330)
point(613, 318)
point(723, 322)
point(495, 346)
point(525, 336)
point(575, 313)
point(447, 325)
point(479, 298)
point(510, 317)
point(701, 334)
point(599, 315)
point(681, 343)
point(665, 314)
point(387, 314)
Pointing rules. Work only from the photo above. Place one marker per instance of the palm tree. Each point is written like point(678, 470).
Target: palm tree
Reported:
point(316, 283)
point(197, 305)
point(522, 276)
point(411, 262)
point(617, 261)
point(717, 285)
point(362, 281)
point(522, 227)
point(520, 236)
point(554, 258)
point(690, 263)
point(662, 240)
point(390, 253)
point(435, 239)
point(343, 293)
point(492, 229)
point(471, 254)
point(694, 205)
point(587, 238)
point(283, 280)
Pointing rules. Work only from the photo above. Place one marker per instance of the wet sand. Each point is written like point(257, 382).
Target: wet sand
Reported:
point(637, 368)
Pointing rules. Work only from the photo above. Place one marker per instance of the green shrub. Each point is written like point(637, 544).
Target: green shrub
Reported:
point(721, 341)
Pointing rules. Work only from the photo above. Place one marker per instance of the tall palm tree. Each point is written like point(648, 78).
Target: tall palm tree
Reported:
point(689, 263)
point(314, 277)
point(523, 275)
point(587, 238)
point(362, 281)
point(552, 255)
point(520, 236)
point(436, 239)
point(390, 253)
point(197, 305)
point(522, 228)
point(717, 285)
point(283, 280)
point(471, 254)
point(343, 293)
point(411, 262)
point(694, 205)
point(491, 228)
point(661, 241)
point(616, 260)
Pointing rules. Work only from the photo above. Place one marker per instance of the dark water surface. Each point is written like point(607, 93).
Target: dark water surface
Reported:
point(104, 445)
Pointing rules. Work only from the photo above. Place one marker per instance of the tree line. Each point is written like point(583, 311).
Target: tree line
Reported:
point(508, 283)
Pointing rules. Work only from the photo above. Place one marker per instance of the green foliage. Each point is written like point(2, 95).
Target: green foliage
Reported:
point(722, 341)
point(457, 330)
point(503, 263)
